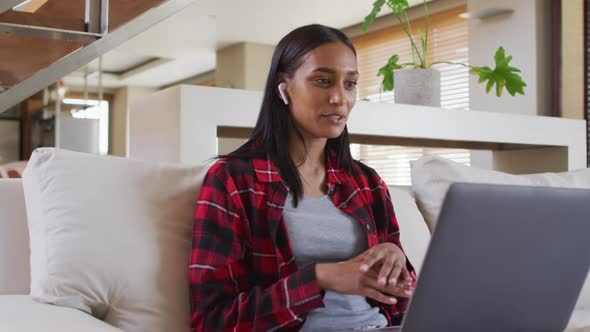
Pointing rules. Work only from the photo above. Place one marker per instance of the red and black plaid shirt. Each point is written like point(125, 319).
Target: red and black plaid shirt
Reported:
point(243, 275)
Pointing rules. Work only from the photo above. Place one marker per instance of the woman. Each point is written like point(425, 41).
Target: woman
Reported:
point(290, 232)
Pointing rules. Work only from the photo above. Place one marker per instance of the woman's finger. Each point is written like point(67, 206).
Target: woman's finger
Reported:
point(395, 272)
point(372, 275)
point(387, 290)
point(362, 255)
point(406, 276)
point(403, 286)
point(378, 296)
point(402, 292)
point(370, 259)
point(386, 269)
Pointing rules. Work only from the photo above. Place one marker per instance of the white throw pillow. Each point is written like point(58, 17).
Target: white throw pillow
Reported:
point(414, 234)
point(112, 237)
point(432, 177)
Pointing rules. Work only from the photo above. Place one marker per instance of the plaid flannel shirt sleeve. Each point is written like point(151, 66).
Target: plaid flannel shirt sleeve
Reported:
point(223, 294)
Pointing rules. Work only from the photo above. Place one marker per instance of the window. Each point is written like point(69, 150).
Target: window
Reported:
point(448, 41)
point(392, 163)
point(94, 111)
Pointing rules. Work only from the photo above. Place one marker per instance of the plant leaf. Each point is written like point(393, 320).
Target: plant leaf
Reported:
point(377, 5)
point(489, 86)
point(398, 6)
point(387, 80)
point(387, 72)
point(503, 76)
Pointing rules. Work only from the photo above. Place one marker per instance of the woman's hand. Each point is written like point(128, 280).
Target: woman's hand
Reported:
point(348, 278)
point(389, 260)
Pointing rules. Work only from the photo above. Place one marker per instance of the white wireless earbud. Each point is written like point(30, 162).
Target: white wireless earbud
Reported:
point(282, 86)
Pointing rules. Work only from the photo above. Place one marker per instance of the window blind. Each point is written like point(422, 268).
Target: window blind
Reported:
point(448, 41)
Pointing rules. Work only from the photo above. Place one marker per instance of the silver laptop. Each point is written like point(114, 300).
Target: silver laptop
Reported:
point(503, 258)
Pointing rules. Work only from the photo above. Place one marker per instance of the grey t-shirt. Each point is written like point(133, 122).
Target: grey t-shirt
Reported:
point(320, 233)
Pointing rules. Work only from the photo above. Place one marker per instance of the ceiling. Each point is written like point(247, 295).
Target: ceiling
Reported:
point(185, 44)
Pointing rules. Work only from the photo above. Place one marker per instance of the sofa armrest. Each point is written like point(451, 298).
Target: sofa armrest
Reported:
point(15, 276)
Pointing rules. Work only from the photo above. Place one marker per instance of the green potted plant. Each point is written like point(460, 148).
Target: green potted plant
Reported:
point(420, 84)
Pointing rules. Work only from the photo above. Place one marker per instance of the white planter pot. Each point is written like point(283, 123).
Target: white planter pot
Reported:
point(417, 87)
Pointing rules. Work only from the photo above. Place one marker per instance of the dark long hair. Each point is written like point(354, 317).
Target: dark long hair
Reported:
point(271, 134)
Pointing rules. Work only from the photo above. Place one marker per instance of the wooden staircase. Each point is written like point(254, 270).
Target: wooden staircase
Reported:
point(42, 41)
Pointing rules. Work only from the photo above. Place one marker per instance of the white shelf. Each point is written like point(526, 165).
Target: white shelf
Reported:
point(181, 124)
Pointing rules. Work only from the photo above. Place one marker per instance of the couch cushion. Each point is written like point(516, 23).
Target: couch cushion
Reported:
point(15, 275)
point(20, 313)
point(112, 237)
point(414, 234)
point(580, 321)
point(432, 177)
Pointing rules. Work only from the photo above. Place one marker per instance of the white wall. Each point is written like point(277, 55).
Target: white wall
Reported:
point(524, 34)
point(227, 145)
point(80, 135)
point(258, 61)
point(154, 127)
point(119, 126)
point(243, 66)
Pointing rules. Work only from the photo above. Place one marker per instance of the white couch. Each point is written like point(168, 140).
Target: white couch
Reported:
point(73, 199)
point(18, 311)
